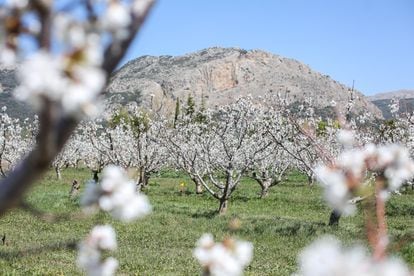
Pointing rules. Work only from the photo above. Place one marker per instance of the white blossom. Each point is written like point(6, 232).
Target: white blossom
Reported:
point(227, 258)
point(346, 138)
point(394, 106)
point(116, 19)
point(399, 167)
point(327, 257)
point(342, 179)
point(117, 195)
point(48, 81)
point(68, 31)
point(101, 238)
point(82, 92)
point(7, 56)
point(336, 190)
point(76, 93)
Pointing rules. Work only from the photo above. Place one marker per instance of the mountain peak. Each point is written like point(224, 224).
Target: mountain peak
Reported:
point(221, 75)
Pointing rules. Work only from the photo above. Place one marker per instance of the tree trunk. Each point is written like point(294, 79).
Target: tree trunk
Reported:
point(146, 179)
point(334, 218)
point(223, 206)
point(141, 177)
point(58, 174)
point(2, 170)
point(95, 176)
point(265, 184)
point(265, 192)
point(310, 180)
point(74, 191)
point(198, 186)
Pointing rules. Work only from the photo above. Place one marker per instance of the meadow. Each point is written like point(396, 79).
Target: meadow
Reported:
point(291, 217)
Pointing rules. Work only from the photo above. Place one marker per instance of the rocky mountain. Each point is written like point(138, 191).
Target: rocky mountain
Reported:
point(7, 84)
point(221, 75)
point(383, 100)
point(399, 94)
point(215, 75)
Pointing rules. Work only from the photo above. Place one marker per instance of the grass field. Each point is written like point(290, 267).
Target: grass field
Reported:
point(161, 244)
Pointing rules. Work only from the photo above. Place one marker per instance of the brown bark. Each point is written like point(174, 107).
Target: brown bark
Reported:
point(334, 218)
point(265, 192)
point(223, 206)
point(58, 173)
point(198, 185)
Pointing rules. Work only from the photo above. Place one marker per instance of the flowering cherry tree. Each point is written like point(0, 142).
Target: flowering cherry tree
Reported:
point(270, 168)
point(70, 155)
point(92, 151)
point(108, 145)
point(181, 143)
point(151, 155)
point(371, 171)
point(16, 140)
point(229, 147)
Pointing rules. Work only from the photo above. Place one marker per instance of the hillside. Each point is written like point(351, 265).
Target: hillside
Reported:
point(221, 75)
point(217, 75)
point(7, 84)
point(383, 100)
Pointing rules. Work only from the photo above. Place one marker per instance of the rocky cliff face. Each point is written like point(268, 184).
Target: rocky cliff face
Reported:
point(7, 84)
point(217, 75)
point(221, 75)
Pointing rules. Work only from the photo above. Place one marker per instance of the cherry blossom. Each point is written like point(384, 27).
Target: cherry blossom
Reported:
point(327, 256)
point(228, 258)
point(117, 195)
point(102, 238)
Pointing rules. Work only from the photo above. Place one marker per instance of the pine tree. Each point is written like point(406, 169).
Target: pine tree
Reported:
point(190, 106)
point(177, 111)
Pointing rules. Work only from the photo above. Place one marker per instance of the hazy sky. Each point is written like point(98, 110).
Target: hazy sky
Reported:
point(369, 41)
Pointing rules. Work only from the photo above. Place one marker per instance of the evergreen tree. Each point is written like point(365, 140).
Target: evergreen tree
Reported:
point(190, 106)
point(177, 111)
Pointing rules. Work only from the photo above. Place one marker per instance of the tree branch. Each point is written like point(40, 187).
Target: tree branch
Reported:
point(55, 127)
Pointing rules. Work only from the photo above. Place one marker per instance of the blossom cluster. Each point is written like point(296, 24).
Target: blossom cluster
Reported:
point(229, 257)
point(72, 85)
point(71, 74)
point(102, 238)
point(117, 195)
point(326, 257)
point(346, 176)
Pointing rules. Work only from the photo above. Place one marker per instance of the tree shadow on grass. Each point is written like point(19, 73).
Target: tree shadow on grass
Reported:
point(11, 255)
point(284, 227)
point(206, 214)
point(242, 198)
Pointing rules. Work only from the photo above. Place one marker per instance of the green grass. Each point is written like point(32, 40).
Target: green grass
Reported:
point(291, 217)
